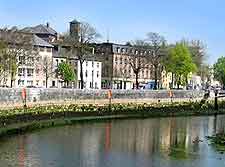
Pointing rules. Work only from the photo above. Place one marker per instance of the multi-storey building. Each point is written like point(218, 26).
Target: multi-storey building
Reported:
point(91, 68)
point(31, 71)
point(117, 72)
point(91, 74)
point(29, 64)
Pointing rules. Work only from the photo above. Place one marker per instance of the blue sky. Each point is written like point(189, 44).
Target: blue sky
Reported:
point(127, 19)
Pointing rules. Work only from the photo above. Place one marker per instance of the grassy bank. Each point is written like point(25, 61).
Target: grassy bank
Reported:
point(20, 120)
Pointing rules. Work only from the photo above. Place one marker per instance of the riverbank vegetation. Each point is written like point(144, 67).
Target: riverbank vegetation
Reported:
point(218, 141)
point(144, 110)
point(19, 120)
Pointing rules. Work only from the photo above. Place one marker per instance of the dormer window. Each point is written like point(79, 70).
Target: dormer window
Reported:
point(118, 50)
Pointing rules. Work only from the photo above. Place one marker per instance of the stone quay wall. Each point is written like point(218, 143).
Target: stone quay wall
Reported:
point(13, 97)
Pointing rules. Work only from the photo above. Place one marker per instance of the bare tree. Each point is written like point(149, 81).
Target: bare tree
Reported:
point(4, 63)
point(19, 50)
point(156, 43)
point(138, 58)
point(81, 45)
point(47, 68)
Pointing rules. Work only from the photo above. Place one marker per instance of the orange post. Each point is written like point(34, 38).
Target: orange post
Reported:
point(24, 94)
point(109, 94)
point(171, 95)
point(110, 98)
point(24, 97)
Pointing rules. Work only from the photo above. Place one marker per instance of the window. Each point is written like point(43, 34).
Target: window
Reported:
point(35, 48)
point(118, 50)
point(37, 71)
point(21, 72)
point(29, 83)
point(92, 64)
point(57, 62)
point(21, 60)
point(92, 73)
point(96, 85)
point(125, 61)
point(53, 83)
point(30, 60)
point(86, 73)
point(30, 72)
point(20, 82)
point(42, 49)
point(121, 60)
point(116, 59)
point(97, 65)
point(37, 82)
point(91, 84)
point(61, 61)
point(49, 49)
point(97, 74)
point(86, 63)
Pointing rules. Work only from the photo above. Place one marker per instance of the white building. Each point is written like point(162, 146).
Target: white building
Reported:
point(91, 73)
point(30, 67)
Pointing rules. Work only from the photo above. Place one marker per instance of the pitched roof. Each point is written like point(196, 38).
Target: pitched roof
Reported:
point(40, 42)
point(40, 29)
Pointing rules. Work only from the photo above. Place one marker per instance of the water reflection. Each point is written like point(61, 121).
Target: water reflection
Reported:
point(167, 142)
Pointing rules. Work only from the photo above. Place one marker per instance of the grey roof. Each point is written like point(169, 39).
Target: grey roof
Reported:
point(40, 29)
point(74, 21)
point(40, 42)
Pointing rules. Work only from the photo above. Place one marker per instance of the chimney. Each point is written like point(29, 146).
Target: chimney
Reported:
point(47, 24)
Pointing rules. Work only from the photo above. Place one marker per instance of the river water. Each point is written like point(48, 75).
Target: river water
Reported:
point(157, 142)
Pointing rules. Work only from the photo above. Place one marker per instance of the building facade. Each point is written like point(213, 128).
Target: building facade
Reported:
point(117, 70)
point(91, 73)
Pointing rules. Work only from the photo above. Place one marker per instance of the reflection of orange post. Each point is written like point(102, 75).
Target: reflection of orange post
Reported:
point(24, 97)
point(21, 153)
point(110, 98)
point(107, 136)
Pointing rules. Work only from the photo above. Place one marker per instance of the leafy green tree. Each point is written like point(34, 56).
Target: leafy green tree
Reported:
point(219, 70)
point(66, 72)
point(179, 62)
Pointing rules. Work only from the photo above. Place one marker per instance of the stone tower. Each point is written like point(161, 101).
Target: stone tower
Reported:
point(75, 29)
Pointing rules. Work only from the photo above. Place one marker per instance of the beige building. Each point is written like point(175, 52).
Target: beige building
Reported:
point(117, 72)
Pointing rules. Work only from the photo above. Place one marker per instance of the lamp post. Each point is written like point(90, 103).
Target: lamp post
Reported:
point(92, 74)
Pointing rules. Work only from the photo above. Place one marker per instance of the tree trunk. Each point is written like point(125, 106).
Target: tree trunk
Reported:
point(156, 77)
point(136, 79)
point(178, 83)
point(172, 81)
point(81, 75)
point(186, 80)
point(46, 82)
point(11, 81)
